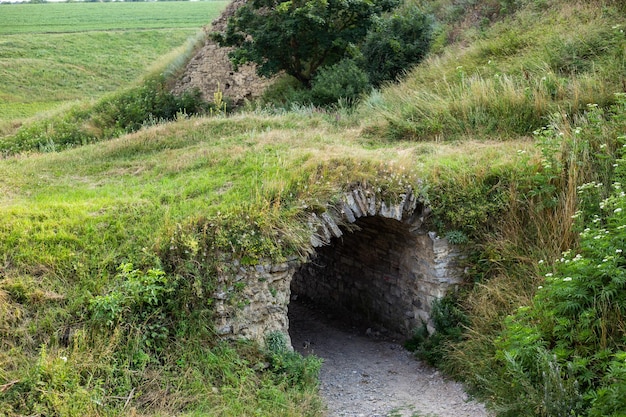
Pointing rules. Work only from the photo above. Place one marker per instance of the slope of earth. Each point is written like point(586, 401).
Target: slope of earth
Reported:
point(210, 70)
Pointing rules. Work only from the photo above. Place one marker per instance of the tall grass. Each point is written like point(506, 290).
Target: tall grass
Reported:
point(511, 80)
point(540, 226)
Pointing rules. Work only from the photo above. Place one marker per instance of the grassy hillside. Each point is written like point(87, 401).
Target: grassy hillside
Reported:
point(51, 54)
point(107, 251)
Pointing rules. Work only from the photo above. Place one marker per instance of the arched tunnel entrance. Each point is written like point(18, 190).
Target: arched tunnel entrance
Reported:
point(371, 261)
point(380, 274)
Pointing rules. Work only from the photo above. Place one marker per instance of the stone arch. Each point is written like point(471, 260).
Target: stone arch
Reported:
point(370, 258)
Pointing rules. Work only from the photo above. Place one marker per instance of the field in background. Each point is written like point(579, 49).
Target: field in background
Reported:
point(55, 53)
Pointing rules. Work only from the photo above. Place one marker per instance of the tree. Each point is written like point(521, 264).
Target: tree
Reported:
point(395, 43)
point(298, 36)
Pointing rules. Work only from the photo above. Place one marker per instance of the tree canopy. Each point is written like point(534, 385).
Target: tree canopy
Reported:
point(298, 36)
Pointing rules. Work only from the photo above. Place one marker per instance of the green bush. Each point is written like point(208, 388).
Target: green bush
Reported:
point(289, 366)
point(344, 80)
point(125, 112)
point(286, 92)
point(396, 43)
point(155, 305)
point(568, 345)
point(449, 321)
point(147, 104)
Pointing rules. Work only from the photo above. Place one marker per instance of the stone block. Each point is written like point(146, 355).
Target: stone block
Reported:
point(347, 213)
point(350, 202)
point(330, 222)
point(361, 200)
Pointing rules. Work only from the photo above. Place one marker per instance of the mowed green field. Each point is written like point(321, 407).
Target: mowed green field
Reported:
point(59, 52)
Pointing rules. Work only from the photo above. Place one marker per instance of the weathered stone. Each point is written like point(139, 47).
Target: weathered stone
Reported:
point(210, 69)
point(383, 268)
point(282, 267)
point(336, 231)
point(224, 330)
point(352, 204)
point(361, 200)
point(371, 208)
point(348, 213)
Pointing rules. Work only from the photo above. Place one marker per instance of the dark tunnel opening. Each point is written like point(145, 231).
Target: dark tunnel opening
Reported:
point(374, 278)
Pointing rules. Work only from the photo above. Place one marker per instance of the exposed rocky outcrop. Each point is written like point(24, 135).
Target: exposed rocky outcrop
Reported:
point(210, 69)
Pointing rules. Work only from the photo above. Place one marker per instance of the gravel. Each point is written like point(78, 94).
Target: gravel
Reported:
point(366, 375)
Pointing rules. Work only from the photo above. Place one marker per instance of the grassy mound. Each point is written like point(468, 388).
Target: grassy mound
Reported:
point(109, 251)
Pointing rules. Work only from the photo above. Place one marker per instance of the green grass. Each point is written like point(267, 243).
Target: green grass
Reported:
point(512, 77)
point(68, 219)
point(459, 129)
point(52, 54)
point(89, 17)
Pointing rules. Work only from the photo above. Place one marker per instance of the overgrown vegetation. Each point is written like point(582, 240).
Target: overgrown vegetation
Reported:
point(298, 37)
point(337, 50)
point(124, 112)
point(109, 252)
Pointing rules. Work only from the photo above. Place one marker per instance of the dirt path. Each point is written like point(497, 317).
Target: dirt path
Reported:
point(366, 376)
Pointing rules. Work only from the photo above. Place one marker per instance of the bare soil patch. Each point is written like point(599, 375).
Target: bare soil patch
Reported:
point(368, 375)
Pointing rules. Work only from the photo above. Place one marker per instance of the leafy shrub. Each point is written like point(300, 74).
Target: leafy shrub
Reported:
point(396, 43)
point(449, 321)
point(578, 315)
point(344, 80)
point(149, 103)
point(124, 112)
point(153, 304)
point(285, 92)
point(289, 366)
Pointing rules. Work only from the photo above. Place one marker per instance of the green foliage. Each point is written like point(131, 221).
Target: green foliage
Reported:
point(462, 209)
point(456, 237)
point(49, 135)
point(395, 43)
point(344, 80)
point(147, 104)
point(508, 82)
point(576, 321)
point(286, 93)
point(298, 37)
point(138, 294)
point(288, 366)
point(575, 54)
point(52, 387)
point(450, 322)
point(152, 304)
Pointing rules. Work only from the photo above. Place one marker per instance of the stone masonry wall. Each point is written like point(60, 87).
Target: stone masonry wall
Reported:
point(382, 274)
point(371, 258)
